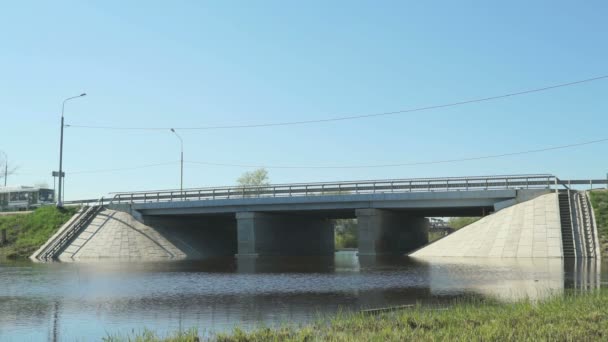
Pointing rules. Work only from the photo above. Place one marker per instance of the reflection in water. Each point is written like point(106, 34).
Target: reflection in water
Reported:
point(84, 301)
point(583, 274)
point(503, 279)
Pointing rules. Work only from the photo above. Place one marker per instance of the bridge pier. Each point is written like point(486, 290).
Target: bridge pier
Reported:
point(385, 232)
point(273, 234)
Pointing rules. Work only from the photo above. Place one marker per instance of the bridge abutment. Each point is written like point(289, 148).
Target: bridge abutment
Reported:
point(385, 232)
point(272, 234)
point(198, 236)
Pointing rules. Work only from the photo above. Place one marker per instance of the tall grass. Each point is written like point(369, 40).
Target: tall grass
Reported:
point(26, 233)
point(147, 335)
point(567, 318)
point(570, 317)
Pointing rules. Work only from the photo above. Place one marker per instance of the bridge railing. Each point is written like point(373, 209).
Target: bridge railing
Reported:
point(87, 202)
point(345, 188)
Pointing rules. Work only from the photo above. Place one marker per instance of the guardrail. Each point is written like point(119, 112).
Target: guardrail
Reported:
point(343, 188)
point(87, 202)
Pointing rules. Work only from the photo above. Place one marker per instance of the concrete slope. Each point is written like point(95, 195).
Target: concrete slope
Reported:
point(530, 229)
point(58, 233)
point(117, 235)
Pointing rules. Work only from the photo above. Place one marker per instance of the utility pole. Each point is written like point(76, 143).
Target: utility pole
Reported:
point(181, 179)
point(5, 167)
point(59, 197)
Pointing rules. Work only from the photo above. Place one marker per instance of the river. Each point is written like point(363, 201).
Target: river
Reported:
point(76, 301)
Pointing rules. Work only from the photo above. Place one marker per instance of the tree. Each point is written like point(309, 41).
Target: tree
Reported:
point(346, 233)
point(257, 177)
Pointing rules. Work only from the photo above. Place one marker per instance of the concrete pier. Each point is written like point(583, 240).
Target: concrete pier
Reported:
point(275, 234)
point(385, 232)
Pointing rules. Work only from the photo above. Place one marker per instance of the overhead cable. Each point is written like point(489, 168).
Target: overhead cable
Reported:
point(351, 117)
point(445, 161)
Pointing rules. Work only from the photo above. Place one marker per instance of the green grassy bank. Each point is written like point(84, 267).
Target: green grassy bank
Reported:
point(581, 317)
point(599, 201)
point(27, 232)
point(461, 222)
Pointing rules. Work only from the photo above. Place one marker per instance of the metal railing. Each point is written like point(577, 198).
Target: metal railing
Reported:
point(63, 239)
point(345, 188)
point(585, 182)
point(86, 202)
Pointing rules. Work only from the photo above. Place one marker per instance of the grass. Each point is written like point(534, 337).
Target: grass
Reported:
point(146, 335)
point(434, 236)
point(570, 317)
point(26, 233)
point(459, 222)
point(599, 201)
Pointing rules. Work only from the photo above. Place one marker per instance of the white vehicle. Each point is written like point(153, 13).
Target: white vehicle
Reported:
point(25, 197)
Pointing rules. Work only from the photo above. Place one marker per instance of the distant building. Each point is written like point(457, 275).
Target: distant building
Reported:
point(25, 197)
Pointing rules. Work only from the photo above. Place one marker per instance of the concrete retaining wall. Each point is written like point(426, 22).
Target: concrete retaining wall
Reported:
point(117, 235)
point(531, 229)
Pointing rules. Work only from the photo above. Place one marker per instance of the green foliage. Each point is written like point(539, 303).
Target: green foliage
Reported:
point(434, 236)
point(257, 177)
point(27, 232)
point(599, 201)
point(346, 233)
point(569, 317)
point(147, 335)
point(459, 222)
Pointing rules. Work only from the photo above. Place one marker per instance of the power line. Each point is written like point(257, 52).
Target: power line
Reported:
point(121, 169)
point(405, 164)
point(352, 117)
point(445, 161)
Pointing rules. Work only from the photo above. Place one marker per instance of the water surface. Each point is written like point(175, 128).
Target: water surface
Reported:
point(75, 301)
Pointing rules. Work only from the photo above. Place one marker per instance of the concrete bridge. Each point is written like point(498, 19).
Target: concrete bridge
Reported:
point(296, 219)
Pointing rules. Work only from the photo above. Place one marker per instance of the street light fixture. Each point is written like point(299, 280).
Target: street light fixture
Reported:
point(59, 198)
point(181, 183)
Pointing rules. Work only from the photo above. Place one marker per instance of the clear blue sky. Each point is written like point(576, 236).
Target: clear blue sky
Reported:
point(189, 63)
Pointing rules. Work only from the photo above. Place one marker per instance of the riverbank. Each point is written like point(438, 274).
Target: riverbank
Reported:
point(27, 232)
point(599, 201)
point(571, 317)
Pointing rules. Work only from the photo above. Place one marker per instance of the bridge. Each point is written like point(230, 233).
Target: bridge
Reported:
point(288, 219)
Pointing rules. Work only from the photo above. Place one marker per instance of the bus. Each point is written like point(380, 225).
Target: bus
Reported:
point(18, 198)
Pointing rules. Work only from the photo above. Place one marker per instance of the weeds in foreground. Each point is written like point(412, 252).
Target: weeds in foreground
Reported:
point(571, 317)
point(147, 335)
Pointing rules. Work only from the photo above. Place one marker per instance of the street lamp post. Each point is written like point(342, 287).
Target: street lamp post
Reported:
point(181, 179)
point(59, 197)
